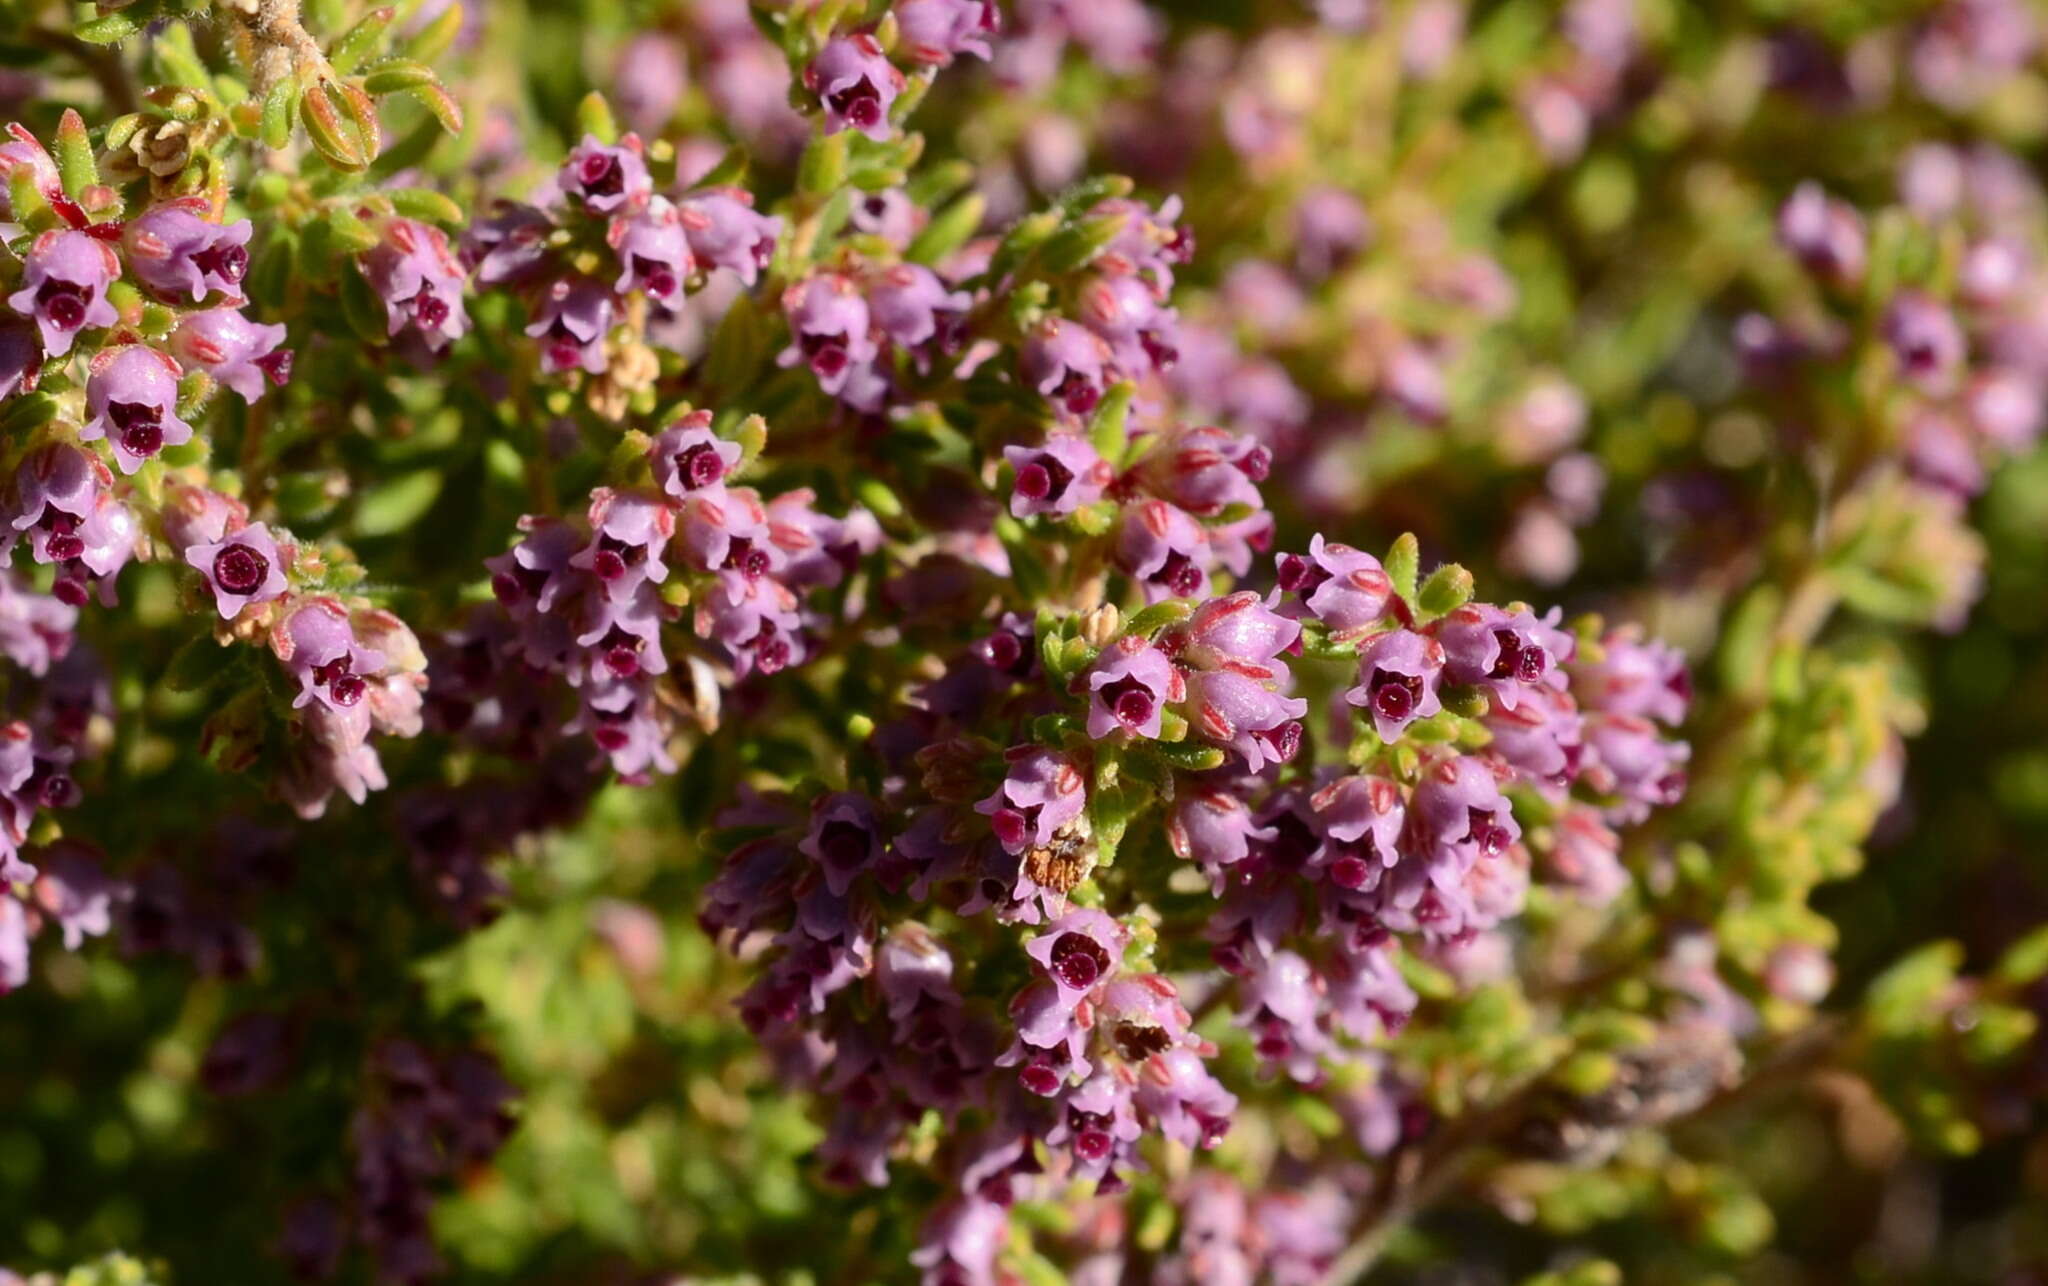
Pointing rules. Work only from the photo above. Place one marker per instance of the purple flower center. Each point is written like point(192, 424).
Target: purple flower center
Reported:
point(64, 303)
point(1485, 832)
point(749, 559)
point(62, 542)
point(1300, 575)
point(1078, 961)
point(656, 277)
point(622, 653)
point(1281, 743)
point(229, 263)
point(1256, 464)
point(429, 309)
point(601, 175)
point(843, 844)
point(1349, 872)
point(239, 569)
point(1524, 663)
point(344, 688)
point(1011, 827)
point(1395, 696)
point(700, 465)
point(859, 103)
point(277, 365)
point(1002, 651)
point(771, 654)
point(140, 425)
point(1040, 1078)
point(1180, 575)
point(826, 354)
point(1044, 479)
point(1130, 701)
point(1159, 349)
point(1077, 392)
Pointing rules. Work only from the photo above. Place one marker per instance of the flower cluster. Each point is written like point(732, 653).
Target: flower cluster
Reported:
point(587, 600)
point(597, 249)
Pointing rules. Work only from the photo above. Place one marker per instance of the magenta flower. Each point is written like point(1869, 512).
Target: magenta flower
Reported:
point(1130, 686)
point(21, 151)
point(509, 245)
point(64, 283)
point(132, 401)
point(628, 530)
point(243, 568)
point(1079, 951)
point(606, 179)
point(64, 503)
point(1236, 632)
point(648, 81)
point(855, 82)
point(181, 255)
point(420, 281)
point(688, 456)
point(1824, 234)
point(654, 255)
point(1484, 645)
point(1398, 674)
point(1207, 470)
point(912, 306)
point(1162, 549)
point(1344, 588)
point(1213, 828)
point(572, 322)
point(725, 231)
point(828, 324)
point(934, 32)
point(1238, 711)
point(234, 350)
point(1068, 363)
point(1926, 339)
point(318, 645)
point(1634, 676)
point(21, 360)
point(1041, 793)
point(1058, 478)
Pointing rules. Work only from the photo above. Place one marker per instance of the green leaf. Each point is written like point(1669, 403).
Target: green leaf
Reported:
point(1403, 565)
point(949, 229)
point(350, 233)
point(27, 411)
point(425, 204)
point(1448, 588)
point(361, 39)
point(1187, 756)
point(200, 664)
point(112, 28)
point(397, 76)
point(594, 116)
point(178, 62)
point(1108, 427)
point(75, 164)
point(823, 167)
point(394, 505)
point(333, 132)
point(1148, 621)
point(1093, 191)
point(365, 312)
point(436, 37)
point(1076, 245)
point(280, 105)
point(437, 100)
point(2026, 960)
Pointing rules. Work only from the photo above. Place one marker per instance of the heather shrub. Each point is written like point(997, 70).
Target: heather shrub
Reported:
point(970, 642)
